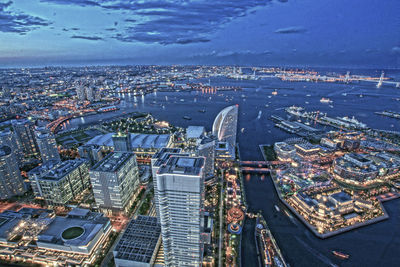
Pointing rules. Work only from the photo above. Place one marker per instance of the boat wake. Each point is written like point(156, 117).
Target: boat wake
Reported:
point(315, 252)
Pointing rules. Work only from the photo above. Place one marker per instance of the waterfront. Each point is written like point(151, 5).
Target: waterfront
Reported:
point(374, 245)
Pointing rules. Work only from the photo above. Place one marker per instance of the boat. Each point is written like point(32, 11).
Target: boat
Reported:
point(277, 208)
point(259, 115)
point(325, 100)
point(202, 111)
point(340, 255)
point(187, 117)
point(275, 92)
point(242, 130)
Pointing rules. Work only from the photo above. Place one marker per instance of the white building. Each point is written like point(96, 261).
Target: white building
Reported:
point(180, 186)
point(225, 127)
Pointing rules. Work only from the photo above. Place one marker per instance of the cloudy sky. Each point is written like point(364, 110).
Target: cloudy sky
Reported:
point(252, 32)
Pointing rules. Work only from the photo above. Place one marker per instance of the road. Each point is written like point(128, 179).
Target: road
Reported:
point(109, 255)
point(221, 205)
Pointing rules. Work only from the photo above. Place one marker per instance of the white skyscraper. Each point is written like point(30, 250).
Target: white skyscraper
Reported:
point(225, 127)
point(180, 186)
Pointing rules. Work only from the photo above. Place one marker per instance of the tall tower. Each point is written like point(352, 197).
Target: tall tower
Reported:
point(180, 186)
point(24, 131)
point(47, 145)
point(225, 127)
point(8, 138)
point(80, 92)
point(89, 93)
point(11, 182)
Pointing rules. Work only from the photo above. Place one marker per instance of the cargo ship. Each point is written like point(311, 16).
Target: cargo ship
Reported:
point(340, 255)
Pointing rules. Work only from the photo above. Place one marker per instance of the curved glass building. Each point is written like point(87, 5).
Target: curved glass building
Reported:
point(225, 127)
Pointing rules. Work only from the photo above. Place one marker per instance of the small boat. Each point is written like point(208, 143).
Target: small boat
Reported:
point(242, 130)
point(187, 117)
point(182, 100)
point(202, 111)
point(340, 255)
point(277, 208)
point(275, 92)
point(325, 100)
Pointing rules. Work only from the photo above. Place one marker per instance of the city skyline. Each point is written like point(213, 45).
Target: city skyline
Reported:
point(307, 33)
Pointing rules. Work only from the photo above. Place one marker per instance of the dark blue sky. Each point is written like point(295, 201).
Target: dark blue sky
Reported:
point(295, 32)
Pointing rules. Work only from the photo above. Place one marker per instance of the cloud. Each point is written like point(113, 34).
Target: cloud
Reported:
point(289, 30)
point(18, 22)
point(396, 50)
point(74, 2)
point(172, 21)
point(90, 38)
point(130, 20)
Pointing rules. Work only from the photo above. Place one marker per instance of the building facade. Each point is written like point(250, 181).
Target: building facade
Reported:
point(8, 138)
point(11, 182)
point(180, 185)
point(225, 127)
point(58, 183)
point(24, 131)
point(47, 146)
point(115, 181)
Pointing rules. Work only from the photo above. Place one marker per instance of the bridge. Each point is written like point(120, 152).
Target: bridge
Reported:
point(255, 170)
point(56, 123)
point(261, 163)
point(261, 167)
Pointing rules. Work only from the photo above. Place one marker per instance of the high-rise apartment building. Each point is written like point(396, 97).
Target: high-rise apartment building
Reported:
point(11, 182)
point(24, 131)
point(158, 159)
point(47, 145)
point(8, 138)
point(180, 186)
point(115, 181)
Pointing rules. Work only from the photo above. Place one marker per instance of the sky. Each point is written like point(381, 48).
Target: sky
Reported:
point(344, 33)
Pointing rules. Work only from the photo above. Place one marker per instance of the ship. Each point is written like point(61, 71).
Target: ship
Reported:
point(325, 100)
point(340, 255)
point(187, 117)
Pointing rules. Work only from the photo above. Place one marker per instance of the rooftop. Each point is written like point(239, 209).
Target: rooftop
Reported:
point(341, 197)
point(183, 165)
point(145, 141)
point(195, 131)
point(91, 223)
point(139, 240)
point(164, 150)
point(112, 162)
point(54, 170)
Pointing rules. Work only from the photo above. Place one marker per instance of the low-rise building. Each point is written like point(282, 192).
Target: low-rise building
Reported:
point(139, 243)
